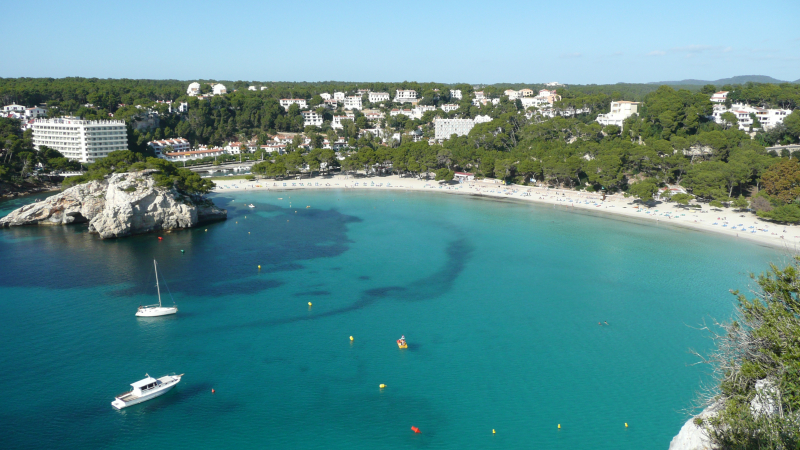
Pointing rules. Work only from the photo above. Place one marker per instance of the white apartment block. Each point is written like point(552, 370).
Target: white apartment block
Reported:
point(13, 108)
point(511, 94)
point(479, 95)
point(177, 144)
point(620, 111)
point(444, 128)
point(337, 120)
point(325, 96)
point(193, 89)
point(81, 140)
point(456, 93)
point(192, 154)
point(405, 96)
point(287, 102)
point(338, 96)
point(449, 107)
point(376, 97)
point(719, 97)
point(311, 118)
point(352, 102)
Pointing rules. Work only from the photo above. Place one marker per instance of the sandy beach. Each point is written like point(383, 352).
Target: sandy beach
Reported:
point(727, 221)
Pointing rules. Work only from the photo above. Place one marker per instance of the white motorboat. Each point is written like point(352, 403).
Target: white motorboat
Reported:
point(156, 310)
point(146, 389)
point(251, 205)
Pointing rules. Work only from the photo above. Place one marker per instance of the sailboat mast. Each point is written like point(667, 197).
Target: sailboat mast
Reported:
point(157, 288)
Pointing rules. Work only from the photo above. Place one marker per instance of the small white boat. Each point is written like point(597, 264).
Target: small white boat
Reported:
point(156, 310)
point(251, 205)
point(146, 389)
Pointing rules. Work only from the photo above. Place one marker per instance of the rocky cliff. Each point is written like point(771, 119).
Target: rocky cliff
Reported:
point(693, 436)
point(120, 205)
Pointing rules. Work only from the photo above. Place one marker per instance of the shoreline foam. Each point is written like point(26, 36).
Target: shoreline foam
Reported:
point(726, 222)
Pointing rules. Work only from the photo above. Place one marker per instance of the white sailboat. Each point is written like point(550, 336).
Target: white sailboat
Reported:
point(156, 310)
point(146, 389)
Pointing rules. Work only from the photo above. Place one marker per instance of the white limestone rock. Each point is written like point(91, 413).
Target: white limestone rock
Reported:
point(121, 205)
point(693, 437)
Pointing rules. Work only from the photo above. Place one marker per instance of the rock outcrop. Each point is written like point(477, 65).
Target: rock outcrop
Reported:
point(120, 205)
point(692, 436)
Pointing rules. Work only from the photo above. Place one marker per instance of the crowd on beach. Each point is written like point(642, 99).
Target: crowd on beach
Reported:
point(726, 221)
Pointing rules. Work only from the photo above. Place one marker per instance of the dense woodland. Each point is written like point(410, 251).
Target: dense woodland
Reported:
point(671, 141)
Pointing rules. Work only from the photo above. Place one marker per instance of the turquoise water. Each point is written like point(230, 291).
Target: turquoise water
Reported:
point(499, 302)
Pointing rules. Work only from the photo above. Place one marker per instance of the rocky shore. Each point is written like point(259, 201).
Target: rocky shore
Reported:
point(120, 205)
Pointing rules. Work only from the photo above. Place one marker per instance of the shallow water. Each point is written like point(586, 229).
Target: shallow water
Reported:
point(500, 303)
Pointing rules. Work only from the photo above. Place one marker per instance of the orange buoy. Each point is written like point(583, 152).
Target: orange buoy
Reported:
point(415, 430)
point(160, 238)
point(212, 390)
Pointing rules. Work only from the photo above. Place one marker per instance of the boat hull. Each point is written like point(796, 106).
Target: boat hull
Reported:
point(402, 344)
point(151, 311)
point(120, 404)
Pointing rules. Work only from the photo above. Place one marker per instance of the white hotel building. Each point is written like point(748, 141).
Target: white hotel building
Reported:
point(81, 140)
point(444, 128)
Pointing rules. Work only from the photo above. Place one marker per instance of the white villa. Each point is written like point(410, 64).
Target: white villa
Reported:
point(455, 93)
point(338, 96)
point(449, 107)
point(219, 89)
point(396, 112)
point(287, 102)
point(193, 89)
point(719, 97)
point(768, 118)
point(620, 111)
point(337, 120)
point(376, 97)
point(405, 96)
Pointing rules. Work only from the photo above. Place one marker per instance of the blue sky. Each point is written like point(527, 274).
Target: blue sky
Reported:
point(570, 41)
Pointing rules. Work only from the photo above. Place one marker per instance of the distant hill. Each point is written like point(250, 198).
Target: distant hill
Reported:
point(733, 80)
